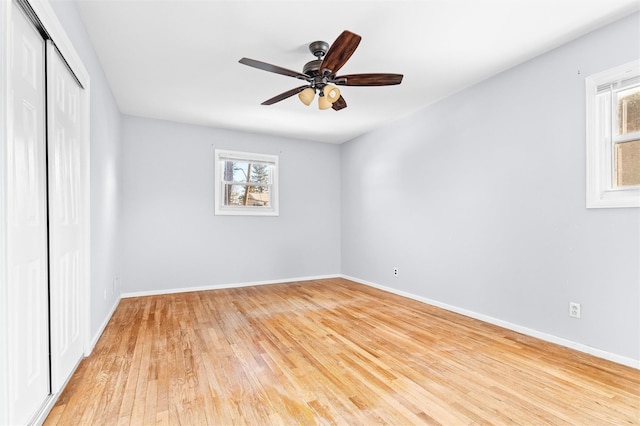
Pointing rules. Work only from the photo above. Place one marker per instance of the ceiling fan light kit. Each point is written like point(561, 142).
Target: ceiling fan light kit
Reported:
point(323, 102)
point(332, 93)
point(328, 96)
point(320, 74)
point(307, 95)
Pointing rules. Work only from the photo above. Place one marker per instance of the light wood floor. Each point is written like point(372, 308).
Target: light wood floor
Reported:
point(331, 352)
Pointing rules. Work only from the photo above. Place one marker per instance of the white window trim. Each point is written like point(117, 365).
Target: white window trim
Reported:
point(600, 193)
point(221, 209)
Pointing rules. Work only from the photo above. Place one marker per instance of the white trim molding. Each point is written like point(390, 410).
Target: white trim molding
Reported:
point(504, 324)
point(601, 140)
point(5, 12)
point(103, 326)
point(59, 37)
point(223, 286)
point(630, 362)
point(224, 180)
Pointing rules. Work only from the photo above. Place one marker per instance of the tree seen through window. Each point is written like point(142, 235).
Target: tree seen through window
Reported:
point(247, 183)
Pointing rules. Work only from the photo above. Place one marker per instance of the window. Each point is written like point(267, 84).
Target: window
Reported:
point(613, 137)
point(246, 183)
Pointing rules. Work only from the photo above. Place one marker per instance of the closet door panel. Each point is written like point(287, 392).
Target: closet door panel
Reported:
point(27, 275)
point(66, 221)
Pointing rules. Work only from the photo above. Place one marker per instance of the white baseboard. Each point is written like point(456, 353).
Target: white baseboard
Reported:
point(46, 408)
point(96, 337)
point(223, 286)
point(51, 400)
point(48, 405)
point(630, 362)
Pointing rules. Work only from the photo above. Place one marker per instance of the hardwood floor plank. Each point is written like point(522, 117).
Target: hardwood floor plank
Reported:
point(331, 352)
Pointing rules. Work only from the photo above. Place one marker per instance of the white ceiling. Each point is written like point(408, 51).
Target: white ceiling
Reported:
point(178, 60)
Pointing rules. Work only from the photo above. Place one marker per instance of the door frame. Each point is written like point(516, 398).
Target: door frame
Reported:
point(49, 23)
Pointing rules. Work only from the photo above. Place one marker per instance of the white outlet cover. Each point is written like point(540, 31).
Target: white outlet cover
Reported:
point(574, 310)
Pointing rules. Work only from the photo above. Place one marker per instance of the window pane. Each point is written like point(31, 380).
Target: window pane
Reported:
point(258, 196)
point(227, 171)
point(260, 173)
point(240, 171)
point(246, 183)
point(233, 195)
point(629, 111)
point(236, 171)
point(246, 195)
point(628, 163)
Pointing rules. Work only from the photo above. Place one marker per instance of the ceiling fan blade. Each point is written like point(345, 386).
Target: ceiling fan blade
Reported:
point(368, 79)
point(339, 104)
point(285, 95)
point(340, 52)
point(273, 68)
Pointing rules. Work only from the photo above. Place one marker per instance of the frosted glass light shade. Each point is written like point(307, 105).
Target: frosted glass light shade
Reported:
point(306, 96)
point(332, 93)
point(323, 102)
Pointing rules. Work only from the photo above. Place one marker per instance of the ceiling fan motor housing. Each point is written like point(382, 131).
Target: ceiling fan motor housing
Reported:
point(319, 48)
point(312, 68)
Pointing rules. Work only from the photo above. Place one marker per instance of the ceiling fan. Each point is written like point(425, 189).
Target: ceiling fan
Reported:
point(320, 74)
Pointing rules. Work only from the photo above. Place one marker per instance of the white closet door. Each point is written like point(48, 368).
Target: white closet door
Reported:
point(66, 222)
point(28, 322)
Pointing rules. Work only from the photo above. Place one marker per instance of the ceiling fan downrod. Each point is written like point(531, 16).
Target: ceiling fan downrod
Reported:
point(318, 48)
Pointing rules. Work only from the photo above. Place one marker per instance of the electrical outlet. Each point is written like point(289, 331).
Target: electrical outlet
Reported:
point(395, 271)
point(574, 310)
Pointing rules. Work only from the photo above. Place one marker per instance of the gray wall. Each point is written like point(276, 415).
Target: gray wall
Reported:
point(105, 156)
point(173, 240)
point(480, 201)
